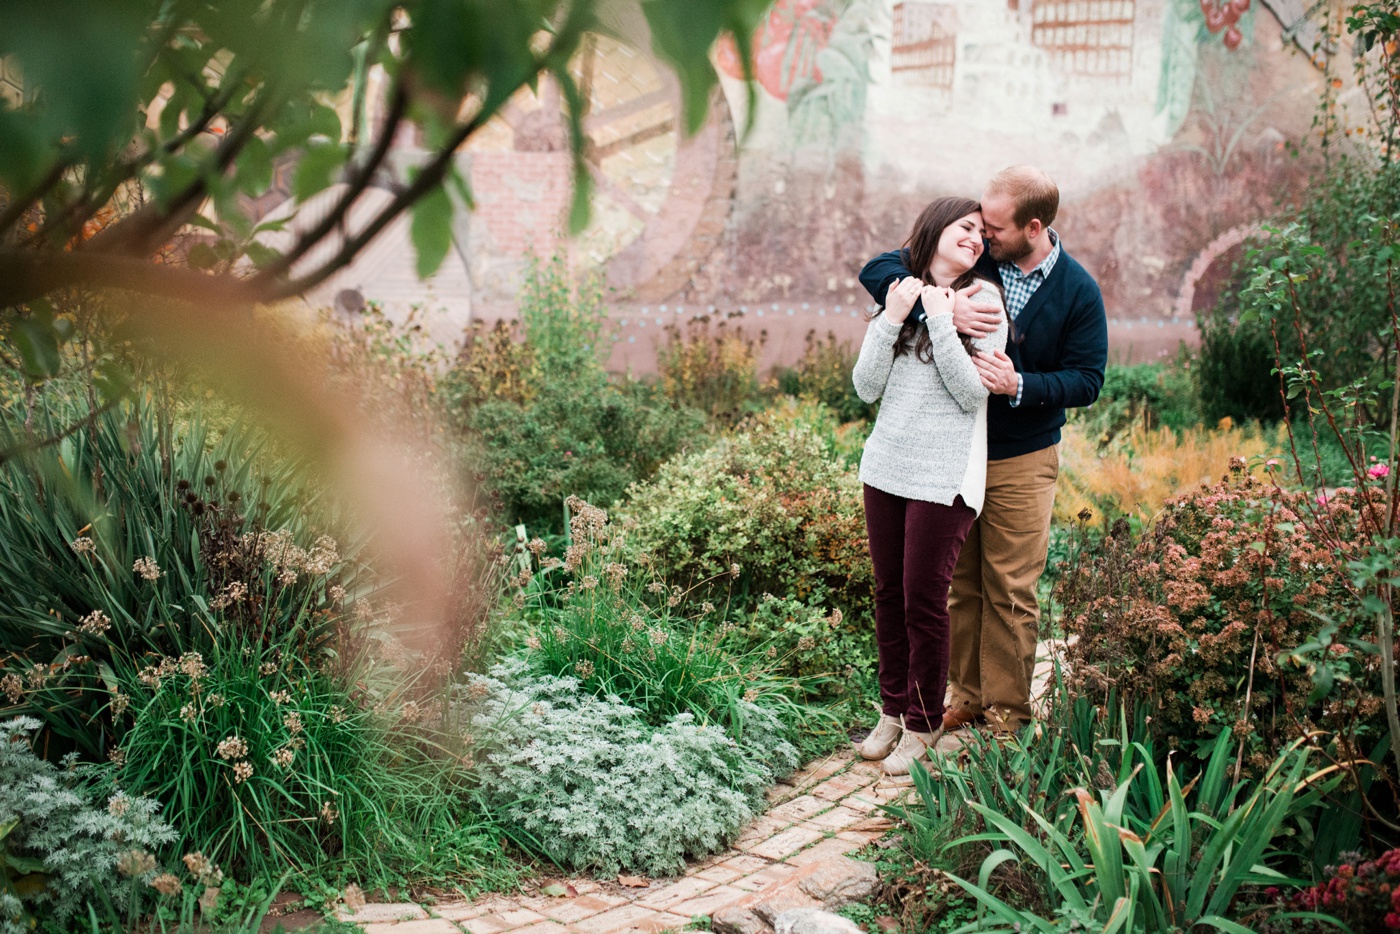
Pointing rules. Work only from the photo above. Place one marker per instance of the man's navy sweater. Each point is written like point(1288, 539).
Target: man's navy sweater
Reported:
point(1059, 345)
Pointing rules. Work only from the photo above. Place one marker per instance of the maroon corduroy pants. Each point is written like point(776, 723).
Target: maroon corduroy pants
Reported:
point(914, 546)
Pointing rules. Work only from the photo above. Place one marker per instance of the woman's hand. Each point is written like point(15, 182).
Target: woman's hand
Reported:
point(900, 299)
point(938, 301)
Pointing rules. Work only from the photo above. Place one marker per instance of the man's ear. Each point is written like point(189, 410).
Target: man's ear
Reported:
point(1034, 229)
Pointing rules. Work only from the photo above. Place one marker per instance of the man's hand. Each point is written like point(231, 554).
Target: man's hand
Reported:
point(901, 298)
point(997, 372)
point(973, 319)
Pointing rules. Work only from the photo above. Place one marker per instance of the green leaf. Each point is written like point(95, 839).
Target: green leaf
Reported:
point(38, 344)
point(82, 59)
point(113, 380)
point(25, 864)
point(203, 256)
point(254, 168)
point(315, 168)
point(261, 255)
point(683, 32)
point(431, 230)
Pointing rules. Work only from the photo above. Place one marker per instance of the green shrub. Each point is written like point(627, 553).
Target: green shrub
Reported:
point(620, 630)
point(712, 367)
point(823, 374)
point(543, 419)
point(575, 440)
point(1141, 395)
point(587, 782)
point(61, 844)
point(771, 502)
point(1234, 370)
point(1229, 614)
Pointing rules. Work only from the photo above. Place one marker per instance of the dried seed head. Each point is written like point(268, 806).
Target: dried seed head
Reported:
point(135, 863)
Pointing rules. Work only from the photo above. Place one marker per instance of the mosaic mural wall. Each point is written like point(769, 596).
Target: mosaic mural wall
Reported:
point(1167, 123)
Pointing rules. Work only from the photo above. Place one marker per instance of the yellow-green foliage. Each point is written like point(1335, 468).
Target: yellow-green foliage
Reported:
point(1145, 467)
point(711, 366)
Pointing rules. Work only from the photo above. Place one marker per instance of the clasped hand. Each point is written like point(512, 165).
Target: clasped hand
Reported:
point(902, 295)
point(971, 318)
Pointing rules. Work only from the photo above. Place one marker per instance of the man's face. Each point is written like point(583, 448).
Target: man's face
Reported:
point(1006, 242)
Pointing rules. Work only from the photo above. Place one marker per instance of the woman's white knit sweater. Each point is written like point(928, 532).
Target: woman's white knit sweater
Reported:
point(930, 438)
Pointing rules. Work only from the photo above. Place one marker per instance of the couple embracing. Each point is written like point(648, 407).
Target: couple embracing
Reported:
point(989, 331)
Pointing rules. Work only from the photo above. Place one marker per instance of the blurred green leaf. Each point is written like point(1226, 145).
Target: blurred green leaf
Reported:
point(82, 60)
point(38, 342)
point(254, 168)
point(431, 230)
point(315, 168)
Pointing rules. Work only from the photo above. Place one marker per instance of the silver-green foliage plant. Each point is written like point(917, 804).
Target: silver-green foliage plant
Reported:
point(60, 843)
point(590, 784)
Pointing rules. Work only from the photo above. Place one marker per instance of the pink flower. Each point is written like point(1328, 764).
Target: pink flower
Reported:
point(1377, 471)
point(1322, 498)
point(1271, 463)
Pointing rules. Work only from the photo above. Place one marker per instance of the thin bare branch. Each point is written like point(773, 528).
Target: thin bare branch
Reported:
point(356, 185)
point(16, 208)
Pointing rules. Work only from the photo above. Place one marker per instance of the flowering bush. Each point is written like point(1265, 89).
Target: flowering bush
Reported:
point(1229, 614)
point(1363, 894)
point(61, 842)
point(772, 502)
point(272, 755)
point(588, 783)
point(144, 534)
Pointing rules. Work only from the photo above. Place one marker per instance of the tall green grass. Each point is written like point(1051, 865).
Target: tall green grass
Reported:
point(617, 626)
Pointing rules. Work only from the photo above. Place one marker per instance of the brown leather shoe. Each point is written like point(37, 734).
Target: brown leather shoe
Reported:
point(955, 718)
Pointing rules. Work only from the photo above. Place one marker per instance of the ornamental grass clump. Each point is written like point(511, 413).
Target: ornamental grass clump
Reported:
point(591, 784)
point(1231, 614)
point(617, 626)
point(1141, 858)
point(143, 534)
point(273, 756)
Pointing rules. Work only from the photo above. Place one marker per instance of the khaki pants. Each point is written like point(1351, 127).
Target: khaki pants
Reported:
point(995, 615)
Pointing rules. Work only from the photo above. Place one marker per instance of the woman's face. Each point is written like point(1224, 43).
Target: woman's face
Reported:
point(960, 244)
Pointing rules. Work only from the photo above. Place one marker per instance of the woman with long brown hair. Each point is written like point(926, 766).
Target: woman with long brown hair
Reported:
point(923, 470)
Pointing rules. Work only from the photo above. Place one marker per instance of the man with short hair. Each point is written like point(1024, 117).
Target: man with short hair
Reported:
point(1055, 360)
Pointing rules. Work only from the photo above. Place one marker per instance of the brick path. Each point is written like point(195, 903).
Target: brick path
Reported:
point(793, 856)
point(823, 812)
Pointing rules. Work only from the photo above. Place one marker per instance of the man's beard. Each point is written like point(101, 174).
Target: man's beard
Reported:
point(1004, 252)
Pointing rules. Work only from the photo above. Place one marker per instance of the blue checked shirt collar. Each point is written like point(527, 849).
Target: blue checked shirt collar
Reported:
point(1020, 286)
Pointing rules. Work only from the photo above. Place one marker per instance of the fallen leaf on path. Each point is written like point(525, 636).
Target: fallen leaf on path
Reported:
point(560, 891)
point(633, 882)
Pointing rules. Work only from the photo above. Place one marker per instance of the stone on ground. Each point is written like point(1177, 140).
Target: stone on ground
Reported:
point(813, 921)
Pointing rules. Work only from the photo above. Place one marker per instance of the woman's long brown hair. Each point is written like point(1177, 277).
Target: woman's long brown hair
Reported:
point(918, 257)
